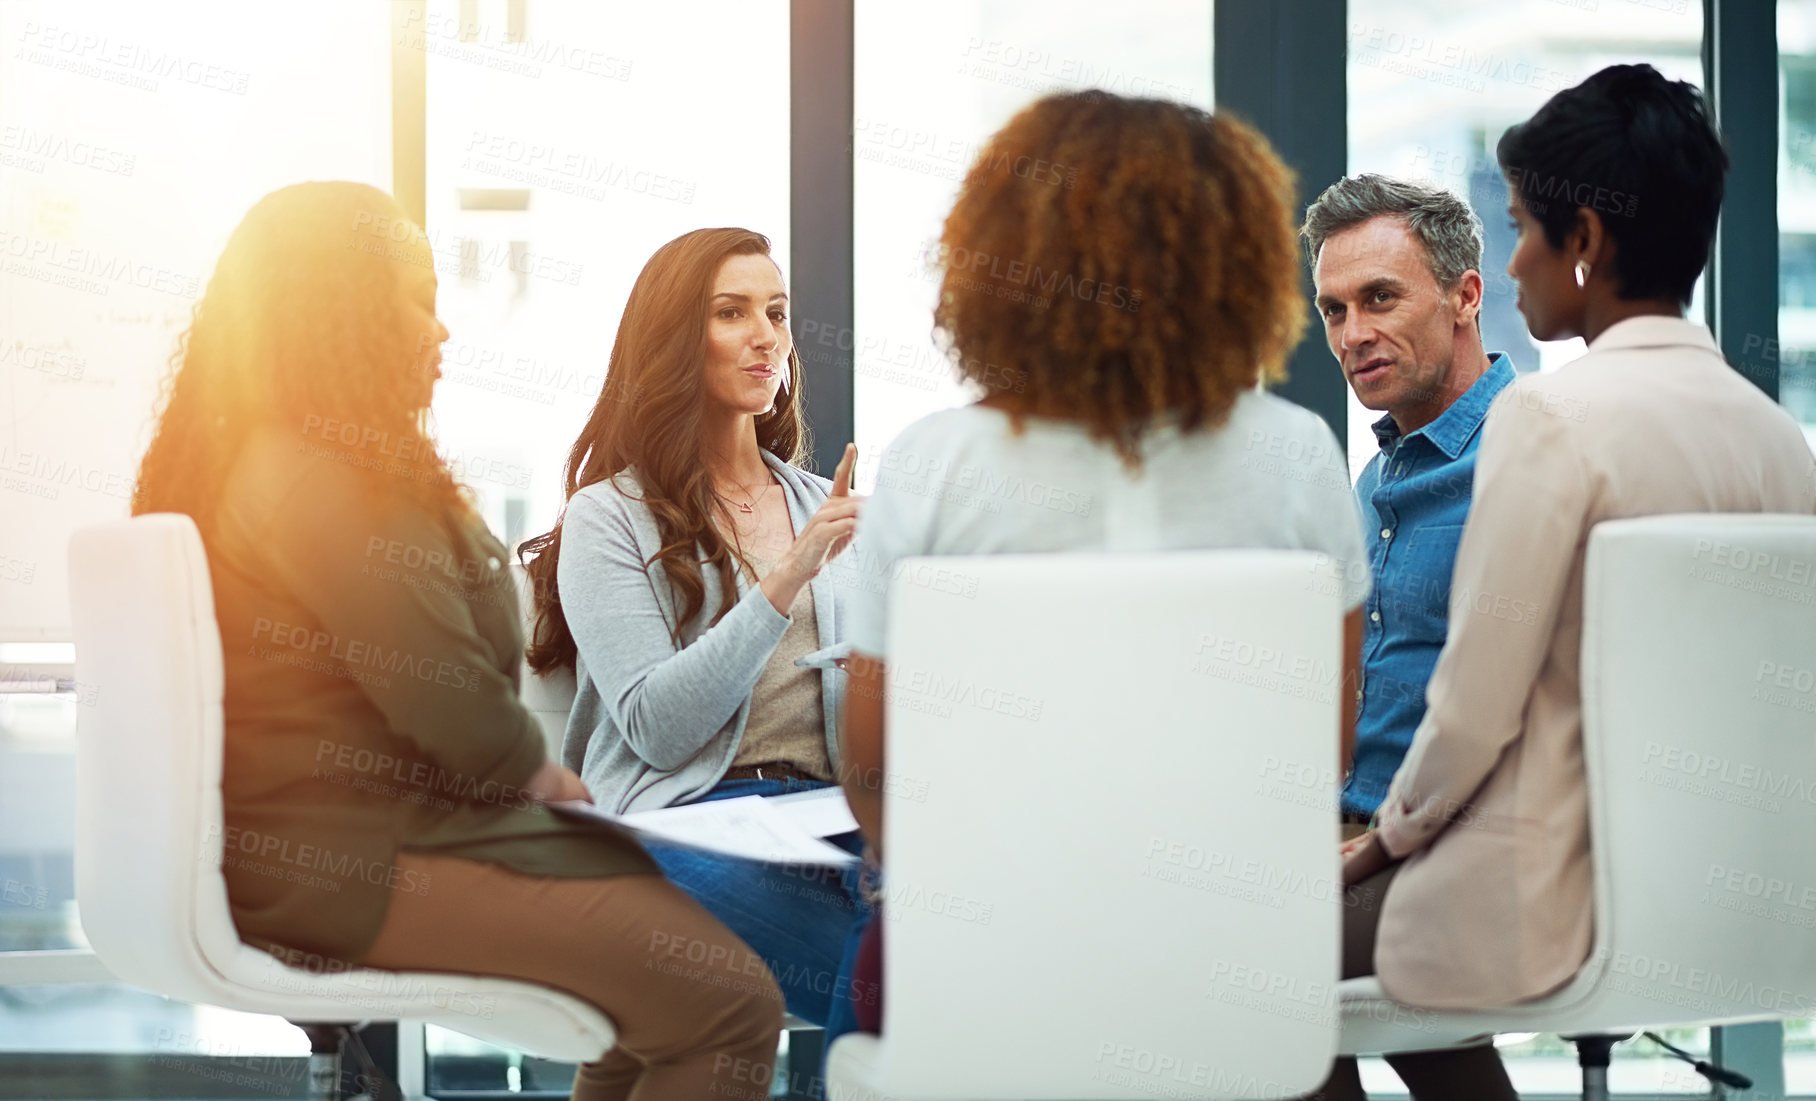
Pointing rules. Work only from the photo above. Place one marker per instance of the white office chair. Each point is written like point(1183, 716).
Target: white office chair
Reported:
point(1111, 852)
point(1699, 738)
point(149, 827)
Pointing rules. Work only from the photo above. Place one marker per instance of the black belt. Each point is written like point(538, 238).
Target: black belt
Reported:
point(769, 770)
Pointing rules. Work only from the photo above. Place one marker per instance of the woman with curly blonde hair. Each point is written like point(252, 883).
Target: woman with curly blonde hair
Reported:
point(383, 785)
point(1120, 278)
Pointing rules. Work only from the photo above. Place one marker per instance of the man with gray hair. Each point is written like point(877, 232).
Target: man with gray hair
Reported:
point(1397, 271)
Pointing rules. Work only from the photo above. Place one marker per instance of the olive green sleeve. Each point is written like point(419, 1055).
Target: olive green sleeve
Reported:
point(413, 648)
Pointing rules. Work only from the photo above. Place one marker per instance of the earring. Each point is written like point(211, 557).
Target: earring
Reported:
point(1582, 273)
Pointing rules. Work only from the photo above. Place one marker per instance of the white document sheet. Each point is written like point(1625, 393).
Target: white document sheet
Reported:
point(749, 827)
point(822, 812)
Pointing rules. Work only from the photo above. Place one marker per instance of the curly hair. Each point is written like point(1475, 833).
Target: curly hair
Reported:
point(649, 417)
point(301, 324)
point(1113, 261)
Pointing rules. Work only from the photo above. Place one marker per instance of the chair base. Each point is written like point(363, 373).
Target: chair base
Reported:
point(328, 1043)
point(1594, 1050)
point(806, 1054)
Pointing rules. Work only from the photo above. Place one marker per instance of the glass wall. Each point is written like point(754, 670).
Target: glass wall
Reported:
point(566, 143)
point(927, 94)
point(132, 139)
point(1433, 86)
point(1796, 351)
point(1800, 1058)
point(1795, 354)
point(1431, 89)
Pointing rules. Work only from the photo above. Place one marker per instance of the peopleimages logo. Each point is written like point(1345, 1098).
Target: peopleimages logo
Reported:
point(23, 147)
point(87, 269)
point(1174, 1075)
point(356, 655)
point(290, 859)
point(1785, 686)
point(1050, 283)
point(1760, 887)
point(965, 692)
point(40, 475)
point(1697, 989)
point(1241, 877)
point(907, 470)
point(1709, 769)
point(1535, 185)
point(295, 970)
point(121, 62)
point(1737, 557)
point(1735, 566)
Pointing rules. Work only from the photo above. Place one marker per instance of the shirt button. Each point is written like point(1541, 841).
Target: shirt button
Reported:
point(1387, 533)
point(1376, 616)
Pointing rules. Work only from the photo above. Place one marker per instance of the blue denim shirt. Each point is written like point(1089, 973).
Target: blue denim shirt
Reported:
point(1414, 497)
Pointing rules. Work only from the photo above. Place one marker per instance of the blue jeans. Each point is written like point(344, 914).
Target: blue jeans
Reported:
point(804, 922)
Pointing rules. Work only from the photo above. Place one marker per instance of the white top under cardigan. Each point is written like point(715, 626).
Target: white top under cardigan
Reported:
point(653, 724)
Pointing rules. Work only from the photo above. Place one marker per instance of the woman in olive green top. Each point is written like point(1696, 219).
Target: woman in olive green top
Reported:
point(383, 784)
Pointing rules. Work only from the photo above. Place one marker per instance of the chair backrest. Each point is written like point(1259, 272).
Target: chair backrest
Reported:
point(1110, 806)
point(1699, 719)
point(148, 753)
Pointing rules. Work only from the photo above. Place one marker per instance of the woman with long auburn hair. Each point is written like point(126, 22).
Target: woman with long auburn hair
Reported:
point(686, 579)
point(383, 785)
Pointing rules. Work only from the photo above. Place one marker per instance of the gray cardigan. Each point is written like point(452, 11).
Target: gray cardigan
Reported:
point(653, 725)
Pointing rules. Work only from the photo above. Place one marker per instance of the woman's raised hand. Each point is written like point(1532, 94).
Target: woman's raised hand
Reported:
point(824, 538)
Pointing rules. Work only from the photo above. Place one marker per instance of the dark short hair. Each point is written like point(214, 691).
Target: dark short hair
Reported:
point(1637, 149)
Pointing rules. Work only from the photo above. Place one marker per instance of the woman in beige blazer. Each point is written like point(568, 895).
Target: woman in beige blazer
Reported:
point(1474, 889)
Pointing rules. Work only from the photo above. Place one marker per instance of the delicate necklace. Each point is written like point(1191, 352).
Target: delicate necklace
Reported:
point(745, 506)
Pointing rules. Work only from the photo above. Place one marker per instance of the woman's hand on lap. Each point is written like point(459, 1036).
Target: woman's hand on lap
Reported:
point(554, 784)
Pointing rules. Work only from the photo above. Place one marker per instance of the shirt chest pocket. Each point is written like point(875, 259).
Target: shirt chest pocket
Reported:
point(1418, 593)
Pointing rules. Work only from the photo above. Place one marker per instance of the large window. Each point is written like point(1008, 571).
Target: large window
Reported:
point(566, 143)
point(1796, 351)
point(132, 139)
point(928, 92)
point(1795, 354)
point(1433, 86)
point(1431, 89)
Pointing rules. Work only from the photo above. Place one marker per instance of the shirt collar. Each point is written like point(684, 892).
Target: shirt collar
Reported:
point(1654, 331)
point(1451, 431)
